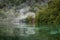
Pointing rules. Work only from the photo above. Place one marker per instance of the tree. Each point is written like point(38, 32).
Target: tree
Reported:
point(49, 15)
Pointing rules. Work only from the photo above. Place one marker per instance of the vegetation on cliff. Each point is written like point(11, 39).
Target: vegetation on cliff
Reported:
point(49, 15)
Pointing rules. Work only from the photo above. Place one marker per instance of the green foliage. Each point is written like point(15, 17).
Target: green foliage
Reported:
point(2, 14)
point(50, 15)
point(29, 19)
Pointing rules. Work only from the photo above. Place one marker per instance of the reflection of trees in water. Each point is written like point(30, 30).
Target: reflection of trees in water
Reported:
point(41, 35)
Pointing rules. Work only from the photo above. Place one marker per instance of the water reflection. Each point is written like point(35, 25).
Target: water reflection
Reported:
point(25, 30)
point(30, 32)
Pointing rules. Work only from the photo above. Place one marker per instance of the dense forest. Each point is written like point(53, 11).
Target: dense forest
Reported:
point(49, 15)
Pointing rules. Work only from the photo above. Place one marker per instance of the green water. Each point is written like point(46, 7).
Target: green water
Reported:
point(43, 32)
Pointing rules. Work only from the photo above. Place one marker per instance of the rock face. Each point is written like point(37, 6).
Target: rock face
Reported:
point(23, 7)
